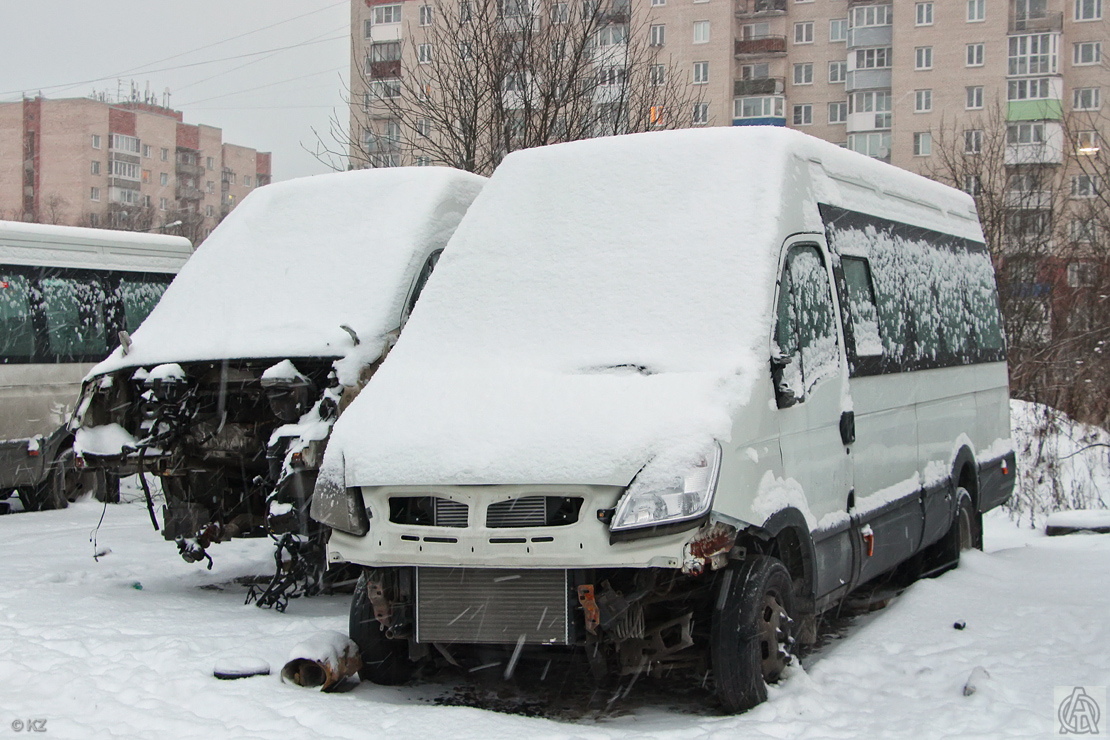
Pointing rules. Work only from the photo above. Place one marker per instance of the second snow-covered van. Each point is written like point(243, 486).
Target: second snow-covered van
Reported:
point(669, 397)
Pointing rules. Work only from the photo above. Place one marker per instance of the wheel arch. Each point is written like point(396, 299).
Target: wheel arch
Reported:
point(786, 536)
point(965, 473)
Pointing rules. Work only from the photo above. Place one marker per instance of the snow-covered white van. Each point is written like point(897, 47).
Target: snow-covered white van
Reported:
point(229, 389)
point(670, 396)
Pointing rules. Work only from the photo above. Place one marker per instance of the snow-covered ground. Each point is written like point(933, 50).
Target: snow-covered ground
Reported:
point(124, 647)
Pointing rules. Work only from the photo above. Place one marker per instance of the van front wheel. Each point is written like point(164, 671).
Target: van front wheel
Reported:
point(384, 661)
point(753, 631)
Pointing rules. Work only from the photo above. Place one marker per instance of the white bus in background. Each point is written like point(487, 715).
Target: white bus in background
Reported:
point(66, 293)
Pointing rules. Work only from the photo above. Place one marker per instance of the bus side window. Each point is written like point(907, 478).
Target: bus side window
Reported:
point(139, 296)
point(17, 332)
point(74, 310)
point(807, 349)
point(861, 306)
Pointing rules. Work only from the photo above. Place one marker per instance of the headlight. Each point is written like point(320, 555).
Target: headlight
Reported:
point(338, 506)
point(652, 500)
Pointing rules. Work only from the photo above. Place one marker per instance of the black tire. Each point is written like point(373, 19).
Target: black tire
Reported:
point(967, 529)
point(384, 661)
point(753, 631)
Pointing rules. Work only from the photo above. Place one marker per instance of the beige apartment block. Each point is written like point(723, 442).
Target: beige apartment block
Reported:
point(892, 79)
point(130, 165)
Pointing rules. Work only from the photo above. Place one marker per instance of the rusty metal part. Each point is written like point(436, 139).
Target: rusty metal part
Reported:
point(322, 669)
point(383, 608)
point(589, 604)
point(709, 548)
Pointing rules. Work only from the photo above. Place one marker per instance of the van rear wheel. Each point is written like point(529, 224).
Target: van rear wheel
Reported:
point(753, 631)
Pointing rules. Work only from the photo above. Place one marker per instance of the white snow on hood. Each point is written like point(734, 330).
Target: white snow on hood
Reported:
point(297, 259)
point(579, 265)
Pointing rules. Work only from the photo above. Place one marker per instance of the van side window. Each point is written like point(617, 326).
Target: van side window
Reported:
point(74, 309)
point(861, 306)
point(17, 332)
point(806, 330)
point(138, 296)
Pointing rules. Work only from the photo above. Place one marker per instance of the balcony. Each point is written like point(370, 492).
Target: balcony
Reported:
point(189, 170)
point(384, 70)
point(184, 192)
point(762, 46)
point(1045, 23)
point(1035, 199)
point(756, 8)
point(759, 86)
point(870, 36)
point(868, 79)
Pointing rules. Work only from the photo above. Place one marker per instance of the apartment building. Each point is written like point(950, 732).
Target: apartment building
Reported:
point(130, 165)
point(880, 77)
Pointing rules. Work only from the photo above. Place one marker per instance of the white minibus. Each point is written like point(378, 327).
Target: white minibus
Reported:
point(668, 398)
point(66, 293)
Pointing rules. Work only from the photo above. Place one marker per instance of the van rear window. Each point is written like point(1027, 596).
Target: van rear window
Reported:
point(17, 332)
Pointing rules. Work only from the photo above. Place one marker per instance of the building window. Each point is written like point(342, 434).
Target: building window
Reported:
point(872, 101)
point(755, 71)
point(1081, 230)
point(923, 57)
point(606, 77)
point(976, 11)
point(973, 141)
point(838, 112)
point(1035, 88)
point(163, 179)
point(922, 144)
point(803, 74)
point(1088, 10)
point(1032, 54)
point(750, 31)
point(385, 89)
point(924, 15)
point(96, 167)
point(974, 97)
point(96, 141)
point(121, 143)
point(838, 71)
point(803, 114)
point(423, 161)
point(1086, 98)
point(701, 73)
point(973, 185)
point(803, 32)
point(1087, 52)
point(701, 114)
point(425, 15)
point(923, 101)
point(124, 170)
point(770, 106)
point(384, 14)
point(615, 35)
point(873, 145)
point(147, 176)
point(701, 32)
point(658, 34)
point(1019, 134)
point(123, 195)
point(1084, 186)
point(656, 115)
point(560, 13)
point(658, 3)
point(1087, 142)
point(209, 211)
point(838, 30)
point(94, 194)
point(163, 204)
point(871, 15)
point(424, 53)
point(657, 74)
point(873, 58)
point(424, 127)
point(975, 55)
point(165, 154)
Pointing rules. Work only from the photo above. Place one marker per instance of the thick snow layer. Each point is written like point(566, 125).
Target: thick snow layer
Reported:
point(1080, 519)
point(622, 311)
point(125, 646)
point(108, 439)
point(298, 259)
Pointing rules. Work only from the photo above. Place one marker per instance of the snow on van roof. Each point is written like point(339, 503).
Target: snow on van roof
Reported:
point(603, 302)
point(80, 234)
point(298, 259)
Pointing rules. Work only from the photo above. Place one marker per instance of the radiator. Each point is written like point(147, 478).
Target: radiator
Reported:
point(492, 606)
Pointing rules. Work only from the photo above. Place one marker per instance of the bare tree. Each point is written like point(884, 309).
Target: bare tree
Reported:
point(1046, 219)
point(54, 208)
point(481, 78)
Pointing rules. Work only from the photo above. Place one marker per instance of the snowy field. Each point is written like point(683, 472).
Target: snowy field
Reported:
point(124, 647)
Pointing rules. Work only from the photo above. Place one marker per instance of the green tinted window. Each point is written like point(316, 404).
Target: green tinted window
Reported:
point(74, 309)
point(17, 334)
point(139, 296)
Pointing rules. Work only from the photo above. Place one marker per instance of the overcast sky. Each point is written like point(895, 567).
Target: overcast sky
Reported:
point(269, 101)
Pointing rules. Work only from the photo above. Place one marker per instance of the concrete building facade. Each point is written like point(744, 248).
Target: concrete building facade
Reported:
point(130, 165)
